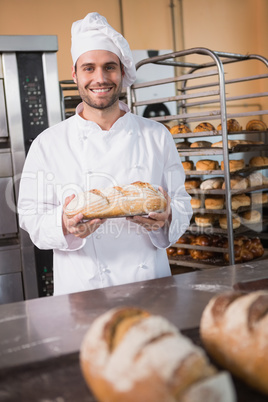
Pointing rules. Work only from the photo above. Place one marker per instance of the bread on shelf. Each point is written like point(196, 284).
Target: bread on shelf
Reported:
point(130, 355)
point(205, 220)
point(183, 145)
point(257, 179)
point(219, 144)
point(245, 249)
point(207, 164)
point(258, 161)
point(259, 198)
point(232, 126)
point(256, 125)
point(224, 223)
point(240, 200)
point(180, 128)
point(234, 331)
point(237, 182)
point(192, 183)
point(212, 184)
point(187, 165)
point(196, 202)
point(234, 165)
point(205, 126)
point(252, 216)
point(214, 202)
point(201, 144)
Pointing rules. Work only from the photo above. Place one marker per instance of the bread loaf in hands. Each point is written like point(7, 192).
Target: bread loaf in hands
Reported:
point(129, 355)
point(234, 330)
point(134, 199)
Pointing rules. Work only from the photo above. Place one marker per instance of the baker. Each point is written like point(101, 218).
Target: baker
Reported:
point(102, 145)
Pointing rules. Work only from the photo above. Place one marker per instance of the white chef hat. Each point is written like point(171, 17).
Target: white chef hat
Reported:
point(94, 33)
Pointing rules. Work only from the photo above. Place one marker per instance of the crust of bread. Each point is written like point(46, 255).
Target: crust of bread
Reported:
point(201, 144)
point(240, 200)
point(210, 184)
point(207, 164)
point(205, 126)
point(180, 128)
point(223, 222)
point(258, 161)
point(232, 126)
point(256, 125)
point(234, 165)
point(152, 361)
point(135, 199)
point(234, 330)
point(188, 165)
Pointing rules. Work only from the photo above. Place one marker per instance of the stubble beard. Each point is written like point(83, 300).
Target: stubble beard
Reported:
point(99, 105)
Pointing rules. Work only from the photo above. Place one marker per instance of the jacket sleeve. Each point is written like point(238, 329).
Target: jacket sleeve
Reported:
point(173, 182)
point(39, 205)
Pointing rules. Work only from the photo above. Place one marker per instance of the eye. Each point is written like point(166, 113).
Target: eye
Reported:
point(110, 68)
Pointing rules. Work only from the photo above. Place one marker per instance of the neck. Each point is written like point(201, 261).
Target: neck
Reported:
point(105, 118)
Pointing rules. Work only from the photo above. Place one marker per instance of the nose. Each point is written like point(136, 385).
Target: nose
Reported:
point(99, 75)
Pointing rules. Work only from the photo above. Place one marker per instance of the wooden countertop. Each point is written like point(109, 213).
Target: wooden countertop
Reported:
point(40, 338)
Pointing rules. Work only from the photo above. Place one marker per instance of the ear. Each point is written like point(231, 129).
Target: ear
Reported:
point(122, 70)
point(74, 74)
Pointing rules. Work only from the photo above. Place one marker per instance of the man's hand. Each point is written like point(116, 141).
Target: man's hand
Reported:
point(75, 225)
point(155, 220)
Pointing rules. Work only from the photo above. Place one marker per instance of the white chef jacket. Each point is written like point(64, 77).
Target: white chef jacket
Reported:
point(77, 155)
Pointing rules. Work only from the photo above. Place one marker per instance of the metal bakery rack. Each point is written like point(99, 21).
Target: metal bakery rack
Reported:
point(214, 86)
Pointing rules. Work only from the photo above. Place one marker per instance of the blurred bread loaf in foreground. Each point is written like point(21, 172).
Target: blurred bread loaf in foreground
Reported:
point(128, 355)
point(134, 199)
point(234, 330)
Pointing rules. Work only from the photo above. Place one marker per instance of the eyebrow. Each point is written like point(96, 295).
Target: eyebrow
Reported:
point(105, 64)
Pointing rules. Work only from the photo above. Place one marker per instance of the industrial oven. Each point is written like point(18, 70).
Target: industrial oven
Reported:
point(29, 103)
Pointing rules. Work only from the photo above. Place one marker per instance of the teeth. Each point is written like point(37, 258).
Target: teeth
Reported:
point(101, 90)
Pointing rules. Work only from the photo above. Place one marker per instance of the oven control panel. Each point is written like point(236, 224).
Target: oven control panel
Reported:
point(32, 95)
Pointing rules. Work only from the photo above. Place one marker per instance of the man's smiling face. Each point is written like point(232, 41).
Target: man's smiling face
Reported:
point(98, 75)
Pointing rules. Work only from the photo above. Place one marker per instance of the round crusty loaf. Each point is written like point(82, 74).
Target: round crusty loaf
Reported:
point(232, 126)
point(207, 164)
point(214, 202)
point(256, 125)
point(187, 165)
point(252, 216)
point(240, 200)
point(258, 161)
point(224, 224)
point(205, 126)
point(237, 182)
point(180, 128)
point(234, 165)
point(134, 199)
point(234, 330)
point(128, 355)
point(212, 184)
